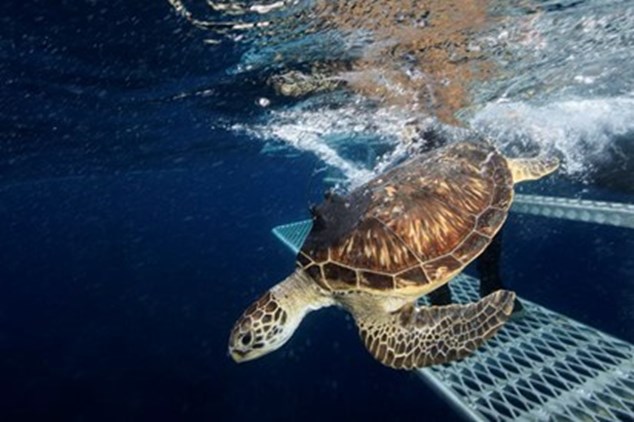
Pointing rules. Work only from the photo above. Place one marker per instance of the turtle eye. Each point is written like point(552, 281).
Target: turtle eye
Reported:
point(246, 339)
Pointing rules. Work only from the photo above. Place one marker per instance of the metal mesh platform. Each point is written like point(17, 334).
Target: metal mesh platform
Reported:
point(600, 212)
point(293, 234)
point(541, 366)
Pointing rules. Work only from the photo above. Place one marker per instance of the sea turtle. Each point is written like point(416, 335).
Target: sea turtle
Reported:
point(375, 251)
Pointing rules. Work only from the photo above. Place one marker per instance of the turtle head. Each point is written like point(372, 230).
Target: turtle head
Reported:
point(262, 328)
point(271, 320)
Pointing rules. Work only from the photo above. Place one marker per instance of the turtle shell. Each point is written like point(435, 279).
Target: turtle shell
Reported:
point(413, 228)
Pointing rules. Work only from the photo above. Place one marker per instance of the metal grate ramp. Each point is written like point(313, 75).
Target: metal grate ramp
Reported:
point(541, 366)
point(293, 234)
point(584, 210)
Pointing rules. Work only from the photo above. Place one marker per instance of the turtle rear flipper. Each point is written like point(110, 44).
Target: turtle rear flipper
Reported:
point(414, 337)
point(524, 169)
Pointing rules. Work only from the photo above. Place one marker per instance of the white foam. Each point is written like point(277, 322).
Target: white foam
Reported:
point(325, 130)
point(580, 130)
point(565, 86)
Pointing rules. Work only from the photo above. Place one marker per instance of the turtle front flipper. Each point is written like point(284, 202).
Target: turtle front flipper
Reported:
point(524, 169)
point(414, 337)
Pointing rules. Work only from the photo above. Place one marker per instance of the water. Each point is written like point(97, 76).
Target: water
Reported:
point(541, 76)
point(140, 175)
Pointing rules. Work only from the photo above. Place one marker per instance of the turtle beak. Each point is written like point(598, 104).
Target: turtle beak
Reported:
point(238, 356)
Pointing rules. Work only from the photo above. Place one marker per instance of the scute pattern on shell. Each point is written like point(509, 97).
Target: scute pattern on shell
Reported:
point(420, 223)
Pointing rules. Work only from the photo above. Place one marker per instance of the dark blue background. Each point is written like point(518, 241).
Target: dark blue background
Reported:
point(134, 230)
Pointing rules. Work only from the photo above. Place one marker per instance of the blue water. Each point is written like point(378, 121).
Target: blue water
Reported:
point(135, 228)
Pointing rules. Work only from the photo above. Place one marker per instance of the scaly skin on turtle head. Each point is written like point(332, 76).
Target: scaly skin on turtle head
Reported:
point(259, 330)
point(270, 321)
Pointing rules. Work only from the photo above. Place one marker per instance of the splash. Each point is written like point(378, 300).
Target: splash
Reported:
point(540, 76)
point(346, 137)
point(580, 130)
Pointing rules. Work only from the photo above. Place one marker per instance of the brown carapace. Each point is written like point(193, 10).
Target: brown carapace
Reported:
point(421, 224)
point(375, 251)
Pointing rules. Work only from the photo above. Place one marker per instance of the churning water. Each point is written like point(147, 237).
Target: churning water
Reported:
point(540, 76)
